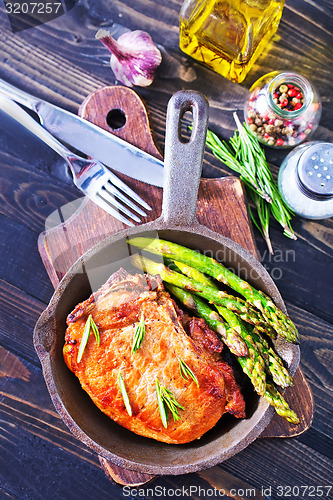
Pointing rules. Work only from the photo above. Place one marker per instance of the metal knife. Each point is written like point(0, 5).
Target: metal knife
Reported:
point(90, 139)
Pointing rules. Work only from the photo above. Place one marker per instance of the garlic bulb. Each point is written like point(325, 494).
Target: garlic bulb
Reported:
point(134, 57)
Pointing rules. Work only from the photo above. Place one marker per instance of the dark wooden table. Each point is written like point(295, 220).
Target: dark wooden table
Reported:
point(61, 62)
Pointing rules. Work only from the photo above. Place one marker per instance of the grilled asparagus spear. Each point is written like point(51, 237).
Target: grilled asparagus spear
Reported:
point(191, 272)
point(273, 362)
point(241, 307)
point(276, 318)
point(280, 404)
point(247, 363)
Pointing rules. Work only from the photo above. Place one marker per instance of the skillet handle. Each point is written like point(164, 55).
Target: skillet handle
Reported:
point(183, 160)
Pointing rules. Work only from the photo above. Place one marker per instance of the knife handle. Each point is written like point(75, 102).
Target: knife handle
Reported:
point(19, 96)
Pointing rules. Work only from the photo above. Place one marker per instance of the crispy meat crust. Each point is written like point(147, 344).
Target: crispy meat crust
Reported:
point(209, 341)
point(116, 309)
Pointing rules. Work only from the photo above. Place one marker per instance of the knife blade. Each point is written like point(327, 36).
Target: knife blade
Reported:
point(90, 139)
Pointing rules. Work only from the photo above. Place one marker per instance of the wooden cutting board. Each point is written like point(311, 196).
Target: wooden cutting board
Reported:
point(221, 207)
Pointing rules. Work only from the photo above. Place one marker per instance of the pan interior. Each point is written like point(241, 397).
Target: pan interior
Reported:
point(97, 430)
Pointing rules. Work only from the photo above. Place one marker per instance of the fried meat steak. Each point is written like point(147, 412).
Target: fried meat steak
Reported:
point(117, 308)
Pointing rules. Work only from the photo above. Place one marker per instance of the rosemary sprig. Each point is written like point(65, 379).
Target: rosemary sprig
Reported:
point(166, 400)
point(278, 207)
point(227, 155)
point(161, 405)
point(124, 394)
point(90, 325)
point(245, 156)
point(263, 212)
point(139, 334)
point(95, 330)
point(186, 372)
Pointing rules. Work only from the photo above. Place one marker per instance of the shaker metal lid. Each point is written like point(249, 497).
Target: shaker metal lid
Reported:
point(315, 171)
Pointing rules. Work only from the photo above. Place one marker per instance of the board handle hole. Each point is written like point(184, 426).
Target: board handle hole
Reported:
point(116, 119)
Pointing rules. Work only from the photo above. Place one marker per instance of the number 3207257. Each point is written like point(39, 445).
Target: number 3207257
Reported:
point(32, 7)
point(303, 491)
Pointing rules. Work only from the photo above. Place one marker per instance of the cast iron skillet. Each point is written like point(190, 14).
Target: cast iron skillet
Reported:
point(183, 161)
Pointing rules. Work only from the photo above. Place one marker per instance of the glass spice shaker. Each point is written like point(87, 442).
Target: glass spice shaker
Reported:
point(228, 35)
point(282, 109)
point(306, 180)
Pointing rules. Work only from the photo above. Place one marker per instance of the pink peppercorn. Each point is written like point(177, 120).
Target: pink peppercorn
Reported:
point(279, 142)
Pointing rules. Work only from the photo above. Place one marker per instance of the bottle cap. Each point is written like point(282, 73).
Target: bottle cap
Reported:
point(315, 171)
point(306, 180)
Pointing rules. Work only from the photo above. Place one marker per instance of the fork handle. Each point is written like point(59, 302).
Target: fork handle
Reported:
point(15, 111)
point(20, 96)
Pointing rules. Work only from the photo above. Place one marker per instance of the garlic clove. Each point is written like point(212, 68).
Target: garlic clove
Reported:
point(134, 56)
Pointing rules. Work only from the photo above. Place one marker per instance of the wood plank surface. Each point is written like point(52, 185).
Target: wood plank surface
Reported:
point(62, 62)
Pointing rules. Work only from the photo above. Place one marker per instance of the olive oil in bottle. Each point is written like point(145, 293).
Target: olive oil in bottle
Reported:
point(228, 35)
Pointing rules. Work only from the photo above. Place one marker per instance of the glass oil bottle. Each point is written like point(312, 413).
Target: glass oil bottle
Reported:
point(228, 35)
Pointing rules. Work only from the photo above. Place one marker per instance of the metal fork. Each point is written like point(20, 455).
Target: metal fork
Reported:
point(91, 177)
